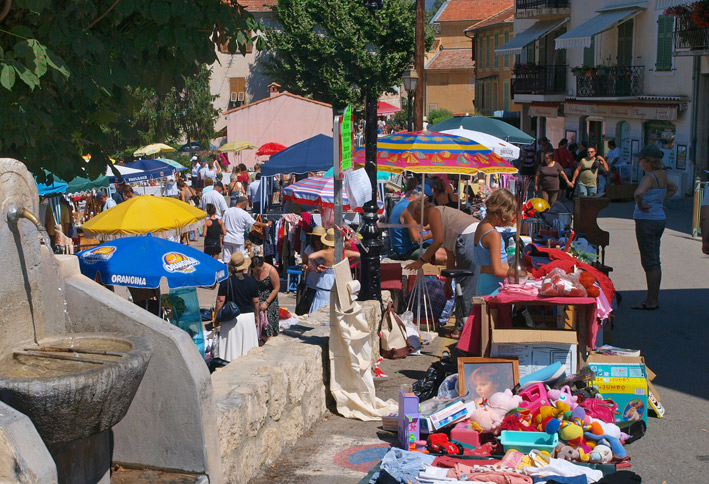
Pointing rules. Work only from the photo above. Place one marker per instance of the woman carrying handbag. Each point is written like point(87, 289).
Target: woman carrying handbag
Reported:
point(238, 334)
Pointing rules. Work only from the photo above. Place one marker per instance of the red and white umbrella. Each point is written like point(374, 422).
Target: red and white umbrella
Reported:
point(318, 191)
point(384, 109)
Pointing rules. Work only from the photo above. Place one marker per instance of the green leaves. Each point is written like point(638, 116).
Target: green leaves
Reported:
point(7, 76)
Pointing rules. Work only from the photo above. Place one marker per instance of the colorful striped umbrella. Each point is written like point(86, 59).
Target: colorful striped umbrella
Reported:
point(432, 152)
point(317, 191)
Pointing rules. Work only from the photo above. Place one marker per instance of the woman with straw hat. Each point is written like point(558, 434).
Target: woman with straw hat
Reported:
point(238, 335)
point(320, 264)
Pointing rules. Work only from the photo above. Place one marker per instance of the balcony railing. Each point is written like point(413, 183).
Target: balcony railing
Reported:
point(611, 81)
point(541, 8)
point(688, 36)
point(527, 4)
point(540, 80)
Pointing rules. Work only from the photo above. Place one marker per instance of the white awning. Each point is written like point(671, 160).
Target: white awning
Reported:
point(524, 38)
point(665, 4)
point(581, 35)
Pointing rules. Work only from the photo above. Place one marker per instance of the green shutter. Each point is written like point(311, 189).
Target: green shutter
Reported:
point(507, 58)
point(625, 44)
point(665, 28)
point(589, 53)
point(506, 95)
point(487, 52)
point(496, 62)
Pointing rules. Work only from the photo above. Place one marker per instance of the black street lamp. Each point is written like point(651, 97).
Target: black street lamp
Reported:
point(410, 79)
point(372, 245)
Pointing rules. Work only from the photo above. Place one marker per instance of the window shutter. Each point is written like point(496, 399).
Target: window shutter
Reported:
point(496, 62)
point(589, 53)
point(507, 58)
point(506, 95)
point(665, 28)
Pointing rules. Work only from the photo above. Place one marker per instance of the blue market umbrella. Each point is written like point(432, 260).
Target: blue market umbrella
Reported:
point(144, 261)
point(57, 186)
point(154, 168)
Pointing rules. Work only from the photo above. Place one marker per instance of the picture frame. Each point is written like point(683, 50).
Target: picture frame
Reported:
point(681, 157)
point(570, 135)
point(485, 376)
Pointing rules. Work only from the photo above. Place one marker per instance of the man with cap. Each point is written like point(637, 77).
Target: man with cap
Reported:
point(215, 197)
point(196, 180)
point(237, 221)
point(105, 201)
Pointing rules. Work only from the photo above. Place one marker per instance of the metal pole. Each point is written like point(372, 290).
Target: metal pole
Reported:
point(338, 187)
point(410, 124)
point(419, 58)
point(372, 244)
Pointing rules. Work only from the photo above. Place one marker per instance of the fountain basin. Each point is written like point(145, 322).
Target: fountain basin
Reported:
point(74, 398)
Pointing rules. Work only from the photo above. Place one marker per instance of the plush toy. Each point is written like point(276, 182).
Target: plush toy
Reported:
point(563, 395)
point(503, 402)
point(487, 419)
point(518, 422)
point(609, 441)
point(566, 452)
point(601, 454)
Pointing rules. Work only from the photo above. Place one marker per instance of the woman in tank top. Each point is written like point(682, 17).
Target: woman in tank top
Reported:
point(654, 188)
point(490, 253)
point(453, 230)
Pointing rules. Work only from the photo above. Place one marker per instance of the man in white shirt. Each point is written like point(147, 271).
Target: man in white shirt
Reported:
point(196, 181)
point(236, 222)
point(613, 155)
point(214, 197)
point(105, 201)
point(203, 171)
point(254, 193)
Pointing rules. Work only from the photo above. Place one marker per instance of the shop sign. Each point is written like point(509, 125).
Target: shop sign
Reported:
point(623, 111)
point(544, 110)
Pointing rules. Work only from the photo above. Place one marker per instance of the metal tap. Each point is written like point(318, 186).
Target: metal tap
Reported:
point(14, 214)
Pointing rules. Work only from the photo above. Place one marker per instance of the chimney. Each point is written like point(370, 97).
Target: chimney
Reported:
point(274, 89)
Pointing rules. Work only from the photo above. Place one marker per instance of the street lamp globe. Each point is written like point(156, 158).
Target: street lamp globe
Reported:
point(410, 79)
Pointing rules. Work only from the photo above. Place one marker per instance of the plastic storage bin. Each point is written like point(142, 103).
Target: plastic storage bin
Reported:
point(527, 441)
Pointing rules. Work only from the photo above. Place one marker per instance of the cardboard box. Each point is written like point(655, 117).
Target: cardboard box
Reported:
point(536, 349)
point(623, 379)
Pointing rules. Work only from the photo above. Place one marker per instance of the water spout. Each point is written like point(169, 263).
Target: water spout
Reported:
point(14, 214)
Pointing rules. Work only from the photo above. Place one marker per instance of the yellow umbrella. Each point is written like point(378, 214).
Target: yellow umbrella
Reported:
point(142, 215)
point(236, 146)
point(153, 149)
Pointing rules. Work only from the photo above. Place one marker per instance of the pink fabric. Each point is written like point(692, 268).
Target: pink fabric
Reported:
point(470, 337)
point(487, 474)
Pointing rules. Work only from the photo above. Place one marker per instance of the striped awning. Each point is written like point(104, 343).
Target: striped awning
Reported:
point(581, 35)
point(526, 37)
point(665, 4)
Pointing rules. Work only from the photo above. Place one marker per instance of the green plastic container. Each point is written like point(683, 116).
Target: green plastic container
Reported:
point(525, 442)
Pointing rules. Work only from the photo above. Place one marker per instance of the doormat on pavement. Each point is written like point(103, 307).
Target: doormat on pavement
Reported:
point(361, 458)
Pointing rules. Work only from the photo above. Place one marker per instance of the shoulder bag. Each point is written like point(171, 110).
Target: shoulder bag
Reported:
point(257, 231)
point(304, 296)
point(230, 310)
point(394, 343)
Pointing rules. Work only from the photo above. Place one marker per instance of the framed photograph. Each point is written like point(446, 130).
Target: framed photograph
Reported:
point(681, 157)
point(570, 135)
point(484, 376)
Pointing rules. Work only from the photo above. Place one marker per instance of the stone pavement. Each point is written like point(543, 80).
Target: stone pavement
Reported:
point(673, 340)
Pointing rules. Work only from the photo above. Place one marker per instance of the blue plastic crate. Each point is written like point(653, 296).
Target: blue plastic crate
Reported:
point(527, 441)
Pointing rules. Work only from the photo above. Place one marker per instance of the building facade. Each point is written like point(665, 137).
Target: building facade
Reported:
point(493, 74)
point(450, 70)
point(610, 70)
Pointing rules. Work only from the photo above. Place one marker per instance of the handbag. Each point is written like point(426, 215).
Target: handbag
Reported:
point(394, 343)
point(304, 296)
point(230, 310)
point(257, 231)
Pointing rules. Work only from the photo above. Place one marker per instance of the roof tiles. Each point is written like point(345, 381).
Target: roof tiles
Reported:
point(446, 59)
point(506, 16)
point(459, 10)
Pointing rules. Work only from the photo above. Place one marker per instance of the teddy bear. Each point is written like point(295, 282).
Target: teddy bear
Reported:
point(487, 419)
point(503, 402)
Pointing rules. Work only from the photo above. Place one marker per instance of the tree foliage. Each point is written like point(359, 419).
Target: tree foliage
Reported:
point(70, 71)
point(186, 113)
point(438, 115)
point(332, 50)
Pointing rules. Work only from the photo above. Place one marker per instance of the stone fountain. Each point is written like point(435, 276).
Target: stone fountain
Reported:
point(86, 377)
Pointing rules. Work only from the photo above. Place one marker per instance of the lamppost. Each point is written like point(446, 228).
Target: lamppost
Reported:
point(410, 79)
point(372, 244)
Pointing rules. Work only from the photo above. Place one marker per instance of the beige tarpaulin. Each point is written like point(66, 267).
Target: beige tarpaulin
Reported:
point(351, 379)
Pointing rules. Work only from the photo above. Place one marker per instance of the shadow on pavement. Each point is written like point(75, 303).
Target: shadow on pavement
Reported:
point(673, 339)
point(677, 212)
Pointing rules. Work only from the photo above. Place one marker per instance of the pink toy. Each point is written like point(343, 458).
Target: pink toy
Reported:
point(563, 395)
point(534, 397)
point(503, 402)
point(463, 432)
point(487, 419)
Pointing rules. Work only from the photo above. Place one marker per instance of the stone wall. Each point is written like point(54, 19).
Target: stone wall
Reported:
point(270, 397)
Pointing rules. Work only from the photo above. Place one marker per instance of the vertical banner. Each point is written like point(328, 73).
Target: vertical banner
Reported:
point(346, 139)
point(337, 165)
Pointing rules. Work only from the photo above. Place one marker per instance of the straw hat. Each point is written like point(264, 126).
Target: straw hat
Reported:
point(239, 262)
point(329, 238)
point(318, 230)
